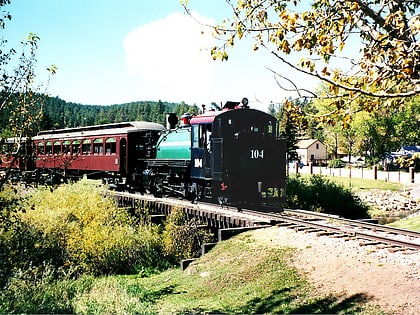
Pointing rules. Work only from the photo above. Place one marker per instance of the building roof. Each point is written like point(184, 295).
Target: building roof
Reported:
point(306, 143)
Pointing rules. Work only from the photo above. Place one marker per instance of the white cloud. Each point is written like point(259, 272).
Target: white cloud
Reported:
point(170, 59)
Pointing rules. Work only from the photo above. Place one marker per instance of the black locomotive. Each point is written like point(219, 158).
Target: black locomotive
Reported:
point(232, 156)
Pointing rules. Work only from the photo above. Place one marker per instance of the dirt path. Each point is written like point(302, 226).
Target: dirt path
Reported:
point(390, 280)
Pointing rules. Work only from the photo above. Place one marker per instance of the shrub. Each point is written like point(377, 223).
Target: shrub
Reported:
point(318, 194)
point(91, 230)
point(21, 244)
point(115, 249)
point(54, 236)
point(336, 163)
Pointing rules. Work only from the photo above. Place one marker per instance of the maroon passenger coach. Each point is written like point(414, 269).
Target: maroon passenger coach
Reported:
point(116, 149)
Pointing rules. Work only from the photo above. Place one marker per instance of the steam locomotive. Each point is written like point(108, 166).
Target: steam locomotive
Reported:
point(232, 156)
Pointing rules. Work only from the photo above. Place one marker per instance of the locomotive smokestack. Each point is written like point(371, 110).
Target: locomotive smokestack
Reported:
point(244, 102)
point(171, 121)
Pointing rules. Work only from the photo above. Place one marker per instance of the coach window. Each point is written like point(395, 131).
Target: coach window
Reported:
point(110, 146)
point(41, 148)
point(8, 148)
point(67, 147)
point(48, 147)
point(196, 136)
point(265, 128)
point(98, 146)
point(57, 147)
point(86, 147)
point(75, 147)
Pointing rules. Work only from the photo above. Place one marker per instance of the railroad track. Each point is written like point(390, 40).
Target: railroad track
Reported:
point(322, 224)
point(368, 233)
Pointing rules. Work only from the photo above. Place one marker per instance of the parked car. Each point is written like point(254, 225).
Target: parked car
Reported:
point(293, 163)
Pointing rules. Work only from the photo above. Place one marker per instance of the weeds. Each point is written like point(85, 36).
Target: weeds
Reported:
point(42, 289)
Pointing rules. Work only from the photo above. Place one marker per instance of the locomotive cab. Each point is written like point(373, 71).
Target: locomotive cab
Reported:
point(239, 151)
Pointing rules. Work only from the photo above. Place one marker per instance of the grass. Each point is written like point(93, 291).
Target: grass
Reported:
point(239, 276)
point(357, 184)
point(366, 184)
point(408, 223)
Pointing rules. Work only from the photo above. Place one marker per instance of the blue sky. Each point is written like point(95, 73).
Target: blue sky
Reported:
point(111, 52)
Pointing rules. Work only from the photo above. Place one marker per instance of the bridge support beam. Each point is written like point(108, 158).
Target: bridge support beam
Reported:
point(224, 234)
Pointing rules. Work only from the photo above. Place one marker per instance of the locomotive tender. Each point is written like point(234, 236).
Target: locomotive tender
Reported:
point(231, 156)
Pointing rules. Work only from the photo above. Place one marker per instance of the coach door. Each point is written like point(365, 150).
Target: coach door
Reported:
point(123, 155)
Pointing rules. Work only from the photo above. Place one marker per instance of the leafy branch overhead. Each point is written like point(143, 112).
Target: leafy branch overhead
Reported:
point(359, 47)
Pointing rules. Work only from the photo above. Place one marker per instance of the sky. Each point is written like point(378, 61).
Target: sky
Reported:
point(112, 52)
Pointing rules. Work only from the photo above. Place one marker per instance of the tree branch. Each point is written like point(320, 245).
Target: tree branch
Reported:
point(414, 92)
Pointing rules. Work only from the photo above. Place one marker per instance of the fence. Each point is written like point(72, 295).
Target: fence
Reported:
point(400, 176)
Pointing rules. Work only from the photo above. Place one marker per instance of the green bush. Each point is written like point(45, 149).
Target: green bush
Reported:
point(91, 231)
point(336, 163)
point(53, 240)
point(21, 244)
point(316, 193)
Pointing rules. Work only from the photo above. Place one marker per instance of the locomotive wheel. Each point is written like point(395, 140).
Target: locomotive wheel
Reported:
point(197, 192)
point(157, 187)
point(222, 200)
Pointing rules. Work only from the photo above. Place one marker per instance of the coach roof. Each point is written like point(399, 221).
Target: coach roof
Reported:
point(100, 130)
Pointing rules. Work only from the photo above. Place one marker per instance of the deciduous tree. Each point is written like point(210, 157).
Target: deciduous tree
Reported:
point(384, 64)
point(20, 97)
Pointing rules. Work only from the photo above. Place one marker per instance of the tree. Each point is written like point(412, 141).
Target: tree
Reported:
point(20, 98)
point(292, 125)
point(388, 129)
point(367, 133)
point(388, 33)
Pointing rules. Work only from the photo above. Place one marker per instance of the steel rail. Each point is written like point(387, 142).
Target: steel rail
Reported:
point(285, 218)
point(358, 223)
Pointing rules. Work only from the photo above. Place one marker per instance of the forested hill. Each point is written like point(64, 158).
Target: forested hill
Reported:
point(58, 113)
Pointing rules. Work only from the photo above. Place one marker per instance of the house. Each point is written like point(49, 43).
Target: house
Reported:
point(311, 150)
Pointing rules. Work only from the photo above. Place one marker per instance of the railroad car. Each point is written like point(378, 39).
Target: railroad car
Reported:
point(114, 152)
point(10, 159)
point(232, 156)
